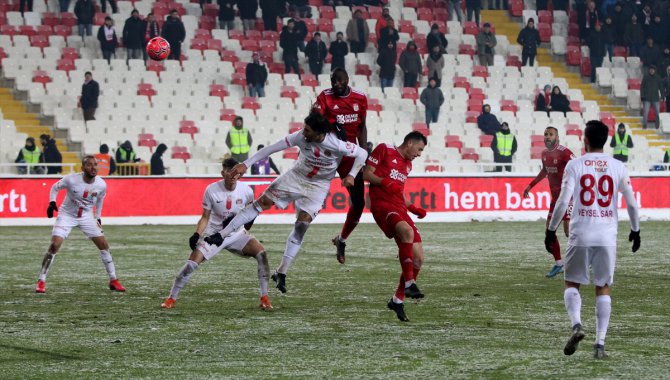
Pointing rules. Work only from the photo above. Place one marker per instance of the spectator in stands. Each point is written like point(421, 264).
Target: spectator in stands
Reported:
point(300, 8)
point(645, 19)
point(559, 5)
point(666, 89)
point(357, 33)
point(435, 64)
point(650, 54)
point(473, 7)
point(157, 167)
point(338, 50)
point(504, 146)
point(88, 100)
point(288, 41)
point(248, 10)
point(108, 40)
point(432, 98)
point(650, 93)
point(134, 31)
point(270, 11)
point(634, 37)
point(239, 140)
point(488, 122)
point(388, 34)
point(658, 30)
point(621, 142)
point(50, 154)
point(592, 18)
point(619, 23)
point(63, 5)
point(85, 12)
point(386, 60)
point(529, 39)
point(558, 101)
point(174, 32)
point(436, 38)
point(227, 14)
point(543, 100)
point(410, 63)
point(300, 28)
point(263, 166)
point(486, 43)
point(316, 52)
point(596, 42)
point(112, 3)
point(25, 5)
point(608, 36)
point(126, 155)
point(29, 154)
point(499, 4)
point(106, 164)
point(381, 21)
point(256, 74)
point(152, 30)
point(541, 5)
point(454, 6)
point(664, 63)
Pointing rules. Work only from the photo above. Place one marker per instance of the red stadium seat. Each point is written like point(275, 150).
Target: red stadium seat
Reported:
point(188, 127)
point(155, 66)
point(267, 45)
point(374, 105)
point(27, 30)
point(199, 44)
point(545, 32)
point(410, 93)
point(239, 79)
point(270, 35)
point(585, 67)
point(574, 55)
point(68, 19)
point(203, 34)
point(325, 25)
point(470, 27)
point(406, 26)
point(536, 152)
point(328, 12)
point(227, 114)
point(45, 30)
point(462, 82)
point(362, 69)
point(480, 71)
point(471, 116)
point(452, 141)
point(218, 90)
point(485, 141)
point(69, 53)
point(146, 89)
point(310, 80)
point(516, 8)
point(433, 166)
point(250, 45)
point(63, 30)
point(250, 103)
point(466, 49)
point(205, 22)
point(536, 140)
point(99, 19)
point(147, 139)
point(608, 119)
point(469, 154)
point(513, 61)
point(620, 51)
point(421, 127)
point(39, 41)
point(240, 67)
point(41, 76)
point(66, 65)
point(574, 132)
point(545, 17)
point(50, 18)
point(180, 153)
point(575, 106)
point(289, 92)
point(235, 34)
point(228, 56)
point(424, 14)
point(634, 84)
point(475, 104)
point(212, 44)
point(211, 10)
point(508, 105)
point(9, 30)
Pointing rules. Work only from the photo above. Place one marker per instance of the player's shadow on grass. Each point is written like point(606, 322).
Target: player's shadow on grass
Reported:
point(47, 354)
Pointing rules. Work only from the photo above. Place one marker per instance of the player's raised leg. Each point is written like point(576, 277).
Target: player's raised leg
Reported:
point(293, 244)
point(47, 262)
point(106, 257)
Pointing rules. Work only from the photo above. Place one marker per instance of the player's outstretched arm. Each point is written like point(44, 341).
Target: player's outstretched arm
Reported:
point(540, 176)
point(278, 146)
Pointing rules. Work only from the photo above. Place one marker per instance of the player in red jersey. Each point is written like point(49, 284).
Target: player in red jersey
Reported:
point(346, 108)
point(387, 169)
point(554, 159)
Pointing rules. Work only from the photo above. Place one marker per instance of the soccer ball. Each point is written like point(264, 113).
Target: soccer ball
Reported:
point(158, 48)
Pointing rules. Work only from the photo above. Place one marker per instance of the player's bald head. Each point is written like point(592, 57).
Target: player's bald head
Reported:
point(552, 128)
point(86, 158)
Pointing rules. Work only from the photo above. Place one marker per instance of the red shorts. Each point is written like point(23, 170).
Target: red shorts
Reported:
point(387, 218)
point(566, 217)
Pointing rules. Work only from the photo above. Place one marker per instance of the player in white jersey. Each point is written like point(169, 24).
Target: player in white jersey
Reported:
point(593, 181)
point(221, 202)
point(84, 191)
point(307, 182)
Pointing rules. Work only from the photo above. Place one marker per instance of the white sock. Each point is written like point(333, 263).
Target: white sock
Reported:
point(263, 272)
point(340, 238)
point(47, 262)
point(603, 312)
point(293, 244)
point(409, 283)
point(397, 300)
point(106, 258)
point(182, 278)
point(243, 217)
point(559, 262)
point(573, 305)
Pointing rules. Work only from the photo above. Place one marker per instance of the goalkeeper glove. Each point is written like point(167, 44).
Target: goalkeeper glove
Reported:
point(418, 211)
point(193, 240)
point(634, 236)
point(215, 239)
point(549, 240)
point(50, 210)
point(391, 186)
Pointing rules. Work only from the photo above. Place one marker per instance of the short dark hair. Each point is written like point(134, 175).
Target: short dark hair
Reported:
point(88, 73)
point(318, 122)
point(554, 128)
point(229, 163)
point(173, 10)
point(339, 34)
point(104, 149)
point(317, 34)
point(415, 136)
point(597, 133)
point(86, 158)
point(339, 73)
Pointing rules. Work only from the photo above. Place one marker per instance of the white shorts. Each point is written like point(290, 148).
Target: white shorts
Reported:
point(234, 243)
point(308, 194)
point(87, 224)
point(601, 260)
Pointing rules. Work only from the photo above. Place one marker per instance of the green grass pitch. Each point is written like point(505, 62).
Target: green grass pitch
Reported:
point(489, 312)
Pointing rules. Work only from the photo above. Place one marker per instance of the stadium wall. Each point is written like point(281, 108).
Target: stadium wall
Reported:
point(177, 200)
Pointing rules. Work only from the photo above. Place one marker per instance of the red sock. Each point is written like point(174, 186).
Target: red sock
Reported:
point(353, 216)
point(556, 250)
point(400, 292)
point(406, 257)
point(416, 272)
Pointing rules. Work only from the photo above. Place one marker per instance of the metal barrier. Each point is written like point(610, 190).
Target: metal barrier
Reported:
point(34, 169)
point(138, 168)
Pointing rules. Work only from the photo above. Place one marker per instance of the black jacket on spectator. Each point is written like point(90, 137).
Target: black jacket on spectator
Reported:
point(89, 94)
point(387, 34)
point(559, 102)
point(662, 67)
point(609, 34)
point(386, 61)
point(227, 10)
point(541, 102)
point(173, 31)
point(247, 9)
point(256, 73)
point(104, 44)
point(474, 4)
point(488, 123)
point(316, 51)
point(51, 155)
point(436, 40)
point(301, 29)
point(650, 55)
point(658, 31)
point(288, 41)
point(619, 27)
point(338, 49)
point(85, 11)
point(529, 39)
point(596, 42)
point(633, 34)
point(133, 33)
point(410, 60)
point(157, 167)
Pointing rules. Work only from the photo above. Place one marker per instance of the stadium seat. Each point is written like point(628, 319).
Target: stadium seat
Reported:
point(155, 66)
point(180, 153)
point(41, 76)
point(146, 89)
point(421, 127)
point(227, 114)
point(218, 90)
point(453, 141)
point(471, 28)
point(66, 65)
point(536, 152)
point(239, 79)
point(148, 140)
point(374, 105)
point(310, 80)
point(634, 84)
point(574, 55)
point(469, 154)
point(228, 55)
point(188, 127)
point(410, 93)
point(289, 92)
point(485, 141)
point(294, 126)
